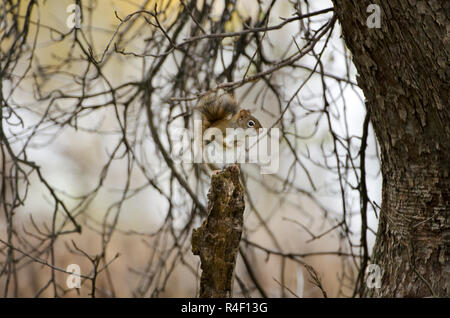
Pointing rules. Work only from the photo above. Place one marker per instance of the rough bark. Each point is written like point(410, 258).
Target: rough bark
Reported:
point(403, 70)
point(217, 240)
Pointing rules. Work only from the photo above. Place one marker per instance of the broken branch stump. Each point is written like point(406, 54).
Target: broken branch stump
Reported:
point(217, 240)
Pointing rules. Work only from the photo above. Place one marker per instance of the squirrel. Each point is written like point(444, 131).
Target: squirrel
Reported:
point(222, 112)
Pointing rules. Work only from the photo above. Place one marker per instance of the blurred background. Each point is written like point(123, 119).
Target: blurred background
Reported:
point(82, 85)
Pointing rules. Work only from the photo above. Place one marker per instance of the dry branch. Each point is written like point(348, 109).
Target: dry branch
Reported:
point(217, 240)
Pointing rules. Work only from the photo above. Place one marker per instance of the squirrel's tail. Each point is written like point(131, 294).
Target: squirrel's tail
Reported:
point(214, 107)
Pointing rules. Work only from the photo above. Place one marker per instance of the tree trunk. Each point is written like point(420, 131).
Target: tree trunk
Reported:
point(217, 240)
point(404, 72)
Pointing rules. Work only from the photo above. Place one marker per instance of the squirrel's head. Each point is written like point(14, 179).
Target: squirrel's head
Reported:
point(246, 120)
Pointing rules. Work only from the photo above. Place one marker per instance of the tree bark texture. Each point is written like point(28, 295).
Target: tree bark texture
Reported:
point(217, 240)
point(404, 72)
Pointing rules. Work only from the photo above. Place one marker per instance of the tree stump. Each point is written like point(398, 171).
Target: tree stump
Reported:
point(217, 240)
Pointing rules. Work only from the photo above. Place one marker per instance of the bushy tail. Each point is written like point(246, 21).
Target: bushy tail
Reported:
point(216, 107)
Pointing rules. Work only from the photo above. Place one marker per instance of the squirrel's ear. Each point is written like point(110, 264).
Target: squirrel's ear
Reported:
point(244, 113)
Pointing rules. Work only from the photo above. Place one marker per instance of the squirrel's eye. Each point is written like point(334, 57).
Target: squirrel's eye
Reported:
point(251, 123)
